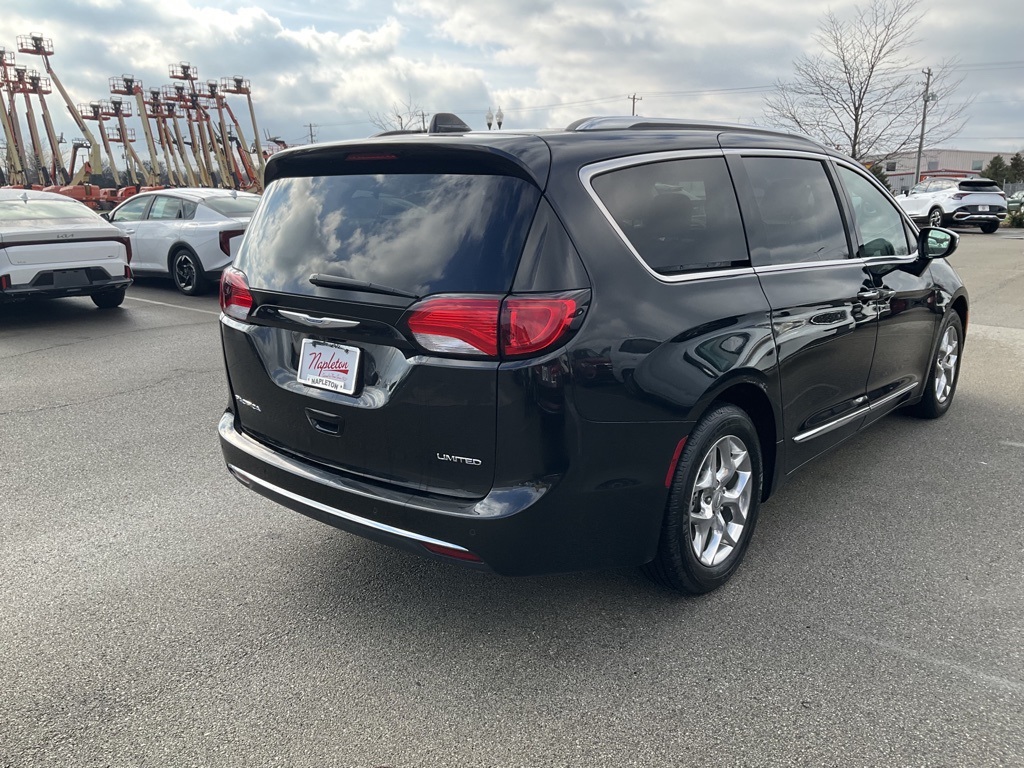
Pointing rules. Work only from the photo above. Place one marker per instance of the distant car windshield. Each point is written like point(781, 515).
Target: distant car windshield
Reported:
point(40, 210)
point(232, 206)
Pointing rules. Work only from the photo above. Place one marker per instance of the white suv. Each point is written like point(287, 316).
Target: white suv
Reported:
point(942, 202)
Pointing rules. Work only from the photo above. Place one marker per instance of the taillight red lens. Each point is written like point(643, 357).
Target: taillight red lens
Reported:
point(225, 239)
point(530, 324)
point(959, 195)
point(457, 325)
point(235, 298)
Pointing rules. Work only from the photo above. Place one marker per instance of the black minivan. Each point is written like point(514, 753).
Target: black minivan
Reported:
point(578, 349)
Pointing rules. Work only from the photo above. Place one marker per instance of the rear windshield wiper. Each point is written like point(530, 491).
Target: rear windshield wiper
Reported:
point(336, 281)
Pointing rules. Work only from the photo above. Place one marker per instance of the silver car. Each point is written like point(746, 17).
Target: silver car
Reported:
point(188, 234)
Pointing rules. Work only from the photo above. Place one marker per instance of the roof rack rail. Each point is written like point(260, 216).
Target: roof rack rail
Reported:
point(628, 123)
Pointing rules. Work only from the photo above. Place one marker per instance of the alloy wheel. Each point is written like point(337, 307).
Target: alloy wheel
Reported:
point(935, 218)
point(945, 364)
point(721, 501)
point(184, 272)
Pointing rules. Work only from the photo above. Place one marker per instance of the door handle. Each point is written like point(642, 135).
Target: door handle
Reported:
point(129, 231)
point(869, 295)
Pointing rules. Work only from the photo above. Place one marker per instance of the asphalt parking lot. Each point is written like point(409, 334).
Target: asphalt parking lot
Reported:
point(156, 613)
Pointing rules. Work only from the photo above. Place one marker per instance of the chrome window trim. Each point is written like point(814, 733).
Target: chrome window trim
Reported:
point(340, 513)
point(843, 420)
point(801, 154)
point(587, 174)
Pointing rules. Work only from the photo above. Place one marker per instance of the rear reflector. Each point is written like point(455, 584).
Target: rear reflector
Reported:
point(457, 554)
point(235, 298)
point(674, 463)
point(457, 325)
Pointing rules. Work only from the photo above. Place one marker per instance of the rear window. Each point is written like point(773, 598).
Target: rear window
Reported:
point(232, 206)
point(419, 233)
point(978, 185)
point(41, 210)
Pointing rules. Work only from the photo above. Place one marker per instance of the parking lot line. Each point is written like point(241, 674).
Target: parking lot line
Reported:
point(176, 306)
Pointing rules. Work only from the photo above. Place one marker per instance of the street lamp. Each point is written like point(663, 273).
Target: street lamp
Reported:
point(499, 117)
point(489, 117)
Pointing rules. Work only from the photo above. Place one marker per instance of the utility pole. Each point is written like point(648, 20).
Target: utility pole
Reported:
point(312, 137)
point(423, 119)
point(926, 97)
point(634, 98)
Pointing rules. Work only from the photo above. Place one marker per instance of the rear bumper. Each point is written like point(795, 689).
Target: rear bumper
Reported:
point(971, 217)
point(515, 531)
point(56, 283)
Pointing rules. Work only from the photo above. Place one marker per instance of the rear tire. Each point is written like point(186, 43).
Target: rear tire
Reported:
point(187, 273)
point(713, 504)
point(935, 217)
point(944, 371)
point(109, 299)
point(989, 227)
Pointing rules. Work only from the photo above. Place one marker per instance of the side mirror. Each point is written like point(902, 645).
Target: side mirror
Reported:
point(906, 193)
point(105, 215)
point(937, 243)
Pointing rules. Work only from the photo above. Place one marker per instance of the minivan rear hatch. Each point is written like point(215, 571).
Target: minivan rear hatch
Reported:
point(344, 243)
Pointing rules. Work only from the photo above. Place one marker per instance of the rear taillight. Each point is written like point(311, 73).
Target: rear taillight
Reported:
point(235, 298)
point(457, 325)
point(5, 282)
point(127, 243)
point(225, 239)
point(487, 326)
point(960, 195)
point(531, 324)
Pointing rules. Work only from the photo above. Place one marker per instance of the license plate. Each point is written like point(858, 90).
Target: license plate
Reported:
point(982, 208)
point(328, 366)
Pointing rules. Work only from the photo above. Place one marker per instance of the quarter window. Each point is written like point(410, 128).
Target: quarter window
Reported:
point(795, 216)
point(880, 230)
point(679, 215)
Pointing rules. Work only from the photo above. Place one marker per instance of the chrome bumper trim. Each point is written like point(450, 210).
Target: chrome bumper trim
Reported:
point(249, 479)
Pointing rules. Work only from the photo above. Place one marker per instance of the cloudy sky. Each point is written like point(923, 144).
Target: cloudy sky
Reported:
point(336, 63)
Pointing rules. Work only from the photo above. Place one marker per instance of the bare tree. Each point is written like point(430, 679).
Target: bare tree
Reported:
point(862, 93)
point(402, 116)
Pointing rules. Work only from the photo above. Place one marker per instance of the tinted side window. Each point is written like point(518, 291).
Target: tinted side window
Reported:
point(879, 226)
point(796, 215)
point(680, 215)
point(133, 210)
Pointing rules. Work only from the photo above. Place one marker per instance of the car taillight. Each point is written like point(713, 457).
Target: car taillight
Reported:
point(530, 324)
point(5, 282)
point(959, 195)
point(489, 326)
point(235, 298)
point(457, 325)
point(127, 243)
point(225, 239)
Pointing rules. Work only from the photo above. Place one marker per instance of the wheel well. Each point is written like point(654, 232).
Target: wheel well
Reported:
point(960, 307)
point(753, 400)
